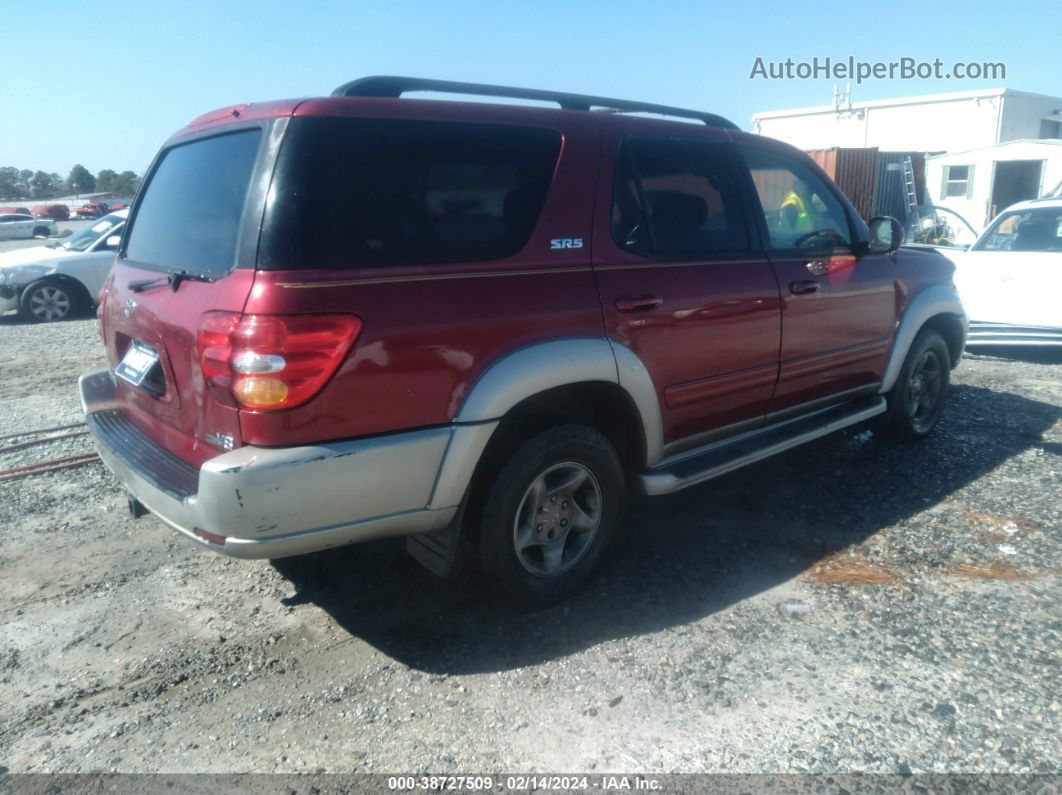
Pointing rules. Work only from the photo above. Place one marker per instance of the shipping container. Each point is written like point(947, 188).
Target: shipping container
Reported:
point(856, 173)
point(892, 192)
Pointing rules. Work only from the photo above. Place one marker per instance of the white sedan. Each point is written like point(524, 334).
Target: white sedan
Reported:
point(25, 226)
point(1010, 279)
point(60, 279)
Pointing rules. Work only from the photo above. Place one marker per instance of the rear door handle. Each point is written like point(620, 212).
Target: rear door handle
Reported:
point(638, 303)
point(803, 287)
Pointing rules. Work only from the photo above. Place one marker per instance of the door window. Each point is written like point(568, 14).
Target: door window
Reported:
point(678, 200)
point(800, 210)
point(937, 227)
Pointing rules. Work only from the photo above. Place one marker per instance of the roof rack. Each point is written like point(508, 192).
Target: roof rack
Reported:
point(391, 86)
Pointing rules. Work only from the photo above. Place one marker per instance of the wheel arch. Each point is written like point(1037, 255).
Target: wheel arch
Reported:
point(936, 307)
point(576, 362)
point(953, 330)
point(591, 380)
point(80, 292)
point(601, 405)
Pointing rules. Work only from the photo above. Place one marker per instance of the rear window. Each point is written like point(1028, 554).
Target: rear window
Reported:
point(371, 192)
point(189, 216)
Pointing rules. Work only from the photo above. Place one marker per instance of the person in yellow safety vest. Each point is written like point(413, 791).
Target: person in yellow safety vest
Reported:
point(795, 209)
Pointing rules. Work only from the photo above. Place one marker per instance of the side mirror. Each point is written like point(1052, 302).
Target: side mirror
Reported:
point(113, 242)
point(886, 235)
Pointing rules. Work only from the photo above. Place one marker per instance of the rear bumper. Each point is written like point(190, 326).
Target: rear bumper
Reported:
point(982, 333)
point(276, 502)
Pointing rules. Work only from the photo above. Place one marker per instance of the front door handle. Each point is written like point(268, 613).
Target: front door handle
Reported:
point(638, 303)
point(803, 287)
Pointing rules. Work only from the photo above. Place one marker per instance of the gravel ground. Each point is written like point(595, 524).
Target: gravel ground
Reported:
point(852, 605)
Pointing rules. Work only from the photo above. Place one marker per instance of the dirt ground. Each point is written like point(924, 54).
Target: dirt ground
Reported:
point(853, 605)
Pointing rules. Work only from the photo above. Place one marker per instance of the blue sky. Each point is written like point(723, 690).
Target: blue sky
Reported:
point(104, 84)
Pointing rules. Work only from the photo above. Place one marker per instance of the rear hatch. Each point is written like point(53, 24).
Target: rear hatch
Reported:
point(189, 249)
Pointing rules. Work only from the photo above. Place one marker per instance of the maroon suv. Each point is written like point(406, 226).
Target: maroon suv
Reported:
point(478, 325)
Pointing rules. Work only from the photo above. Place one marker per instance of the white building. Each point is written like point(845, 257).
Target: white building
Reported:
point(980, 183)
point(952, 122)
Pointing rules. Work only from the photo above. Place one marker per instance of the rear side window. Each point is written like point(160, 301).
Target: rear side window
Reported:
point(189, 216)
point(677, 199)
point(353, 193)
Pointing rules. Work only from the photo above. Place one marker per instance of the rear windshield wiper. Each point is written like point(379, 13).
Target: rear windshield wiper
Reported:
point(173, 279)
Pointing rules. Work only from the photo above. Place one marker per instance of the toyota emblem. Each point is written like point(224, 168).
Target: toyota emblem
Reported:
point(130, 307)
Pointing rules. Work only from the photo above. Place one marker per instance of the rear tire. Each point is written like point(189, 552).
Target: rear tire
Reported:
point(48, 301)
point(550, 514)
point(917, 400)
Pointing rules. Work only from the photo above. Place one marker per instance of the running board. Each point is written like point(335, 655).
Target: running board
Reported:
point(717, 459)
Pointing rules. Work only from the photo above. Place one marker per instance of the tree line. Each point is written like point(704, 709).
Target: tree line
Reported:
point(21, 184)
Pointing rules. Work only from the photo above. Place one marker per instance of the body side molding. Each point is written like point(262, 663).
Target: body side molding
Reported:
point(936, 300)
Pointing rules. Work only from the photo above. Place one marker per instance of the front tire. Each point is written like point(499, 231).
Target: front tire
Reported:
point(917, 400)
point(48, 301)
point(550, 514)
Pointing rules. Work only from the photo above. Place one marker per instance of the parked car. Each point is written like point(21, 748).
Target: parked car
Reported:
point(14, 226)
point(57, 212)
point(502, 335)
point(61, 279)
point(1010, 278)
point(91, 210)
point(14, 211)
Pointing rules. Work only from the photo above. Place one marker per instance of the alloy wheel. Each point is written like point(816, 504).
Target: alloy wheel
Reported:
point(558, 519)
point(924, 389)
point(49, 303)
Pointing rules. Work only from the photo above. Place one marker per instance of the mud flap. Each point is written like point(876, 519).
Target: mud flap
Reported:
point(137, 508)
point(437, 551)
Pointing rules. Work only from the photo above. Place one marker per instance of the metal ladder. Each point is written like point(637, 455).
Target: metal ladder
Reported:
point(909, 183)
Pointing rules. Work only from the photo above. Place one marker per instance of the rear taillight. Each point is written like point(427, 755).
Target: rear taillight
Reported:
point(270, 362)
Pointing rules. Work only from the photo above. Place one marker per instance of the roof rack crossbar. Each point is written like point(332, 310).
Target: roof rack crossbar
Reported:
point(391, 86)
